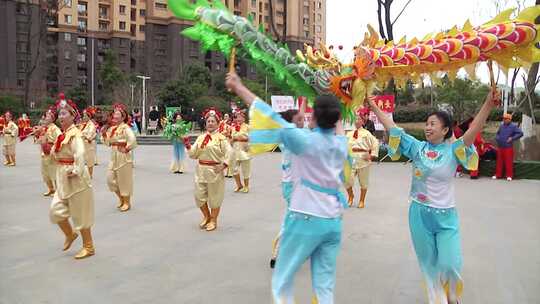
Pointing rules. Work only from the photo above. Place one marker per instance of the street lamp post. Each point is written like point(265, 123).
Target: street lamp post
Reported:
point(144, 78)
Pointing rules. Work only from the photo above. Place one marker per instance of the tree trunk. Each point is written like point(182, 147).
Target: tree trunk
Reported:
point(512, 85)
point(388, 21)
point(379, 17)
point(272, 22)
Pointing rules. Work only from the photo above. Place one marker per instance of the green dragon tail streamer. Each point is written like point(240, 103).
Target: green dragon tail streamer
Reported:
point(217, 29)
point(176, 130)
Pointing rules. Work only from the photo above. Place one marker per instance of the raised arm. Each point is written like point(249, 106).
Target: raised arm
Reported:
point(385, 120)
point(233, 82)
point(492, 99)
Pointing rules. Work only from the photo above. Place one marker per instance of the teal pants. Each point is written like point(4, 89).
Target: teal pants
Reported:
point(307, 237)
point(437, 242)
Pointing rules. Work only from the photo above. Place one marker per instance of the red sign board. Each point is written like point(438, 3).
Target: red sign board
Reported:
point(386, 102)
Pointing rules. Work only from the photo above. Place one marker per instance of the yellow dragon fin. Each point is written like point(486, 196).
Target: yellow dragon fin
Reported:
point(467, 27)
point(502, 17)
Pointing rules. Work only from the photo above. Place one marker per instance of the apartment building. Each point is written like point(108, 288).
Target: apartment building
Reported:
point(143, 34)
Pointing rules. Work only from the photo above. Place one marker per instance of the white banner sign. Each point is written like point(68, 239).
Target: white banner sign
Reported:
point(282, 103)
point(378, 125)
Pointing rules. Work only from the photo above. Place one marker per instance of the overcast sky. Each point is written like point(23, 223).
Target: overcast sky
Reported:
point(347, 19)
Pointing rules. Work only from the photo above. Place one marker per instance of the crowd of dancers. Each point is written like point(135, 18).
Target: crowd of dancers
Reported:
point(317, 162)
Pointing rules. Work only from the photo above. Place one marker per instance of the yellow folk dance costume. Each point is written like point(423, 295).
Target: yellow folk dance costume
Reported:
point(212, 150)
point(225, 128)
point(241, 160)
point(74, 194)
point(122, 141)
point(364, 147)
point(89, 133)
point(46, 140)
point(11, 131)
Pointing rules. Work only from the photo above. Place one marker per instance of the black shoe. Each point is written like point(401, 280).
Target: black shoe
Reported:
point(474, 177)
point(272, 263)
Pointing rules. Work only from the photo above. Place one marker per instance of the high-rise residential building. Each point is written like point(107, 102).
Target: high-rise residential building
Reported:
point(143, 34)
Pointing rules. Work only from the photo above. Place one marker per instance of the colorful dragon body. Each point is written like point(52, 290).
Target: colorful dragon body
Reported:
point(509, 43)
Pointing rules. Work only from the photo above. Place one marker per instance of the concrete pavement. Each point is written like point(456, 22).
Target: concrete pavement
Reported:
point(156, 254)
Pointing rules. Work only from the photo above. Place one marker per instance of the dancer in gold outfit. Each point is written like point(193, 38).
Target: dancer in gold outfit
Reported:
point(241, 157)
point(122, 141)
point(74, 195)
point(89, 132)
point(212, 150)
point(11, 131)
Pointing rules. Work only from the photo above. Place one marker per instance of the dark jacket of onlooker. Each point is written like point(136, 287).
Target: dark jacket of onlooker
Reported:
point(506, 131)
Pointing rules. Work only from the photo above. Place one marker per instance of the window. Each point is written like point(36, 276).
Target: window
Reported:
point(161, 5)
point(133, 14)
point(81, 9)
point(142, 28)
point(318, 28)
point(122, 9)
point(306, 34)
point(67, 3)
point(133, 29)
point(21, 65)
point(253, 3)
point(21, 9)
point(81, 41)
point(20, 83)
point(319, 17)
point(81, 57)
point(21, 46)
point(82, 25)
point(67, 37)
point(123, 42)
point(142, 13)
point(103, 12)
point(133, 2)
point(122, 25)
point(68, 19)
point(103, 26)
point(67, 55)
point(67, 72)
point(319, 4)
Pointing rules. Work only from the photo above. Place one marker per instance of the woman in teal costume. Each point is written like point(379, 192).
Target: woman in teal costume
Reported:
point(175, 130)
point(433, 219)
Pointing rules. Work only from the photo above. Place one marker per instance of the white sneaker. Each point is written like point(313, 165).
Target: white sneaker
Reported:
point(459, 174)
point(494, 177)
point(509, 179)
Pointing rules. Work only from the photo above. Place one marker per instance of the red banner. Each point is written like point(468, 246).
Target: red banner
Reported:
point(386, 103)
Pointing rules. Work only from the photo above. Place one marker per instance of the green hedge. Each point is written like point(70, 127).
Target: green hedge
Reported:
point(412, 115)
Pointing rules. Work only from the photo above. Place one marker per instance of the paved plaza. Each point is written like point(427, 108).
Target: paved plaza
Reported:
point(155, 253)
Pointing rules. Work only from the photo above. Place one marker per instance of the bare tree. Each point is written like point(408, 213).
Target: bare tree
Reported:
point(45, 13)
point(283, 35)
point(388, 33)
